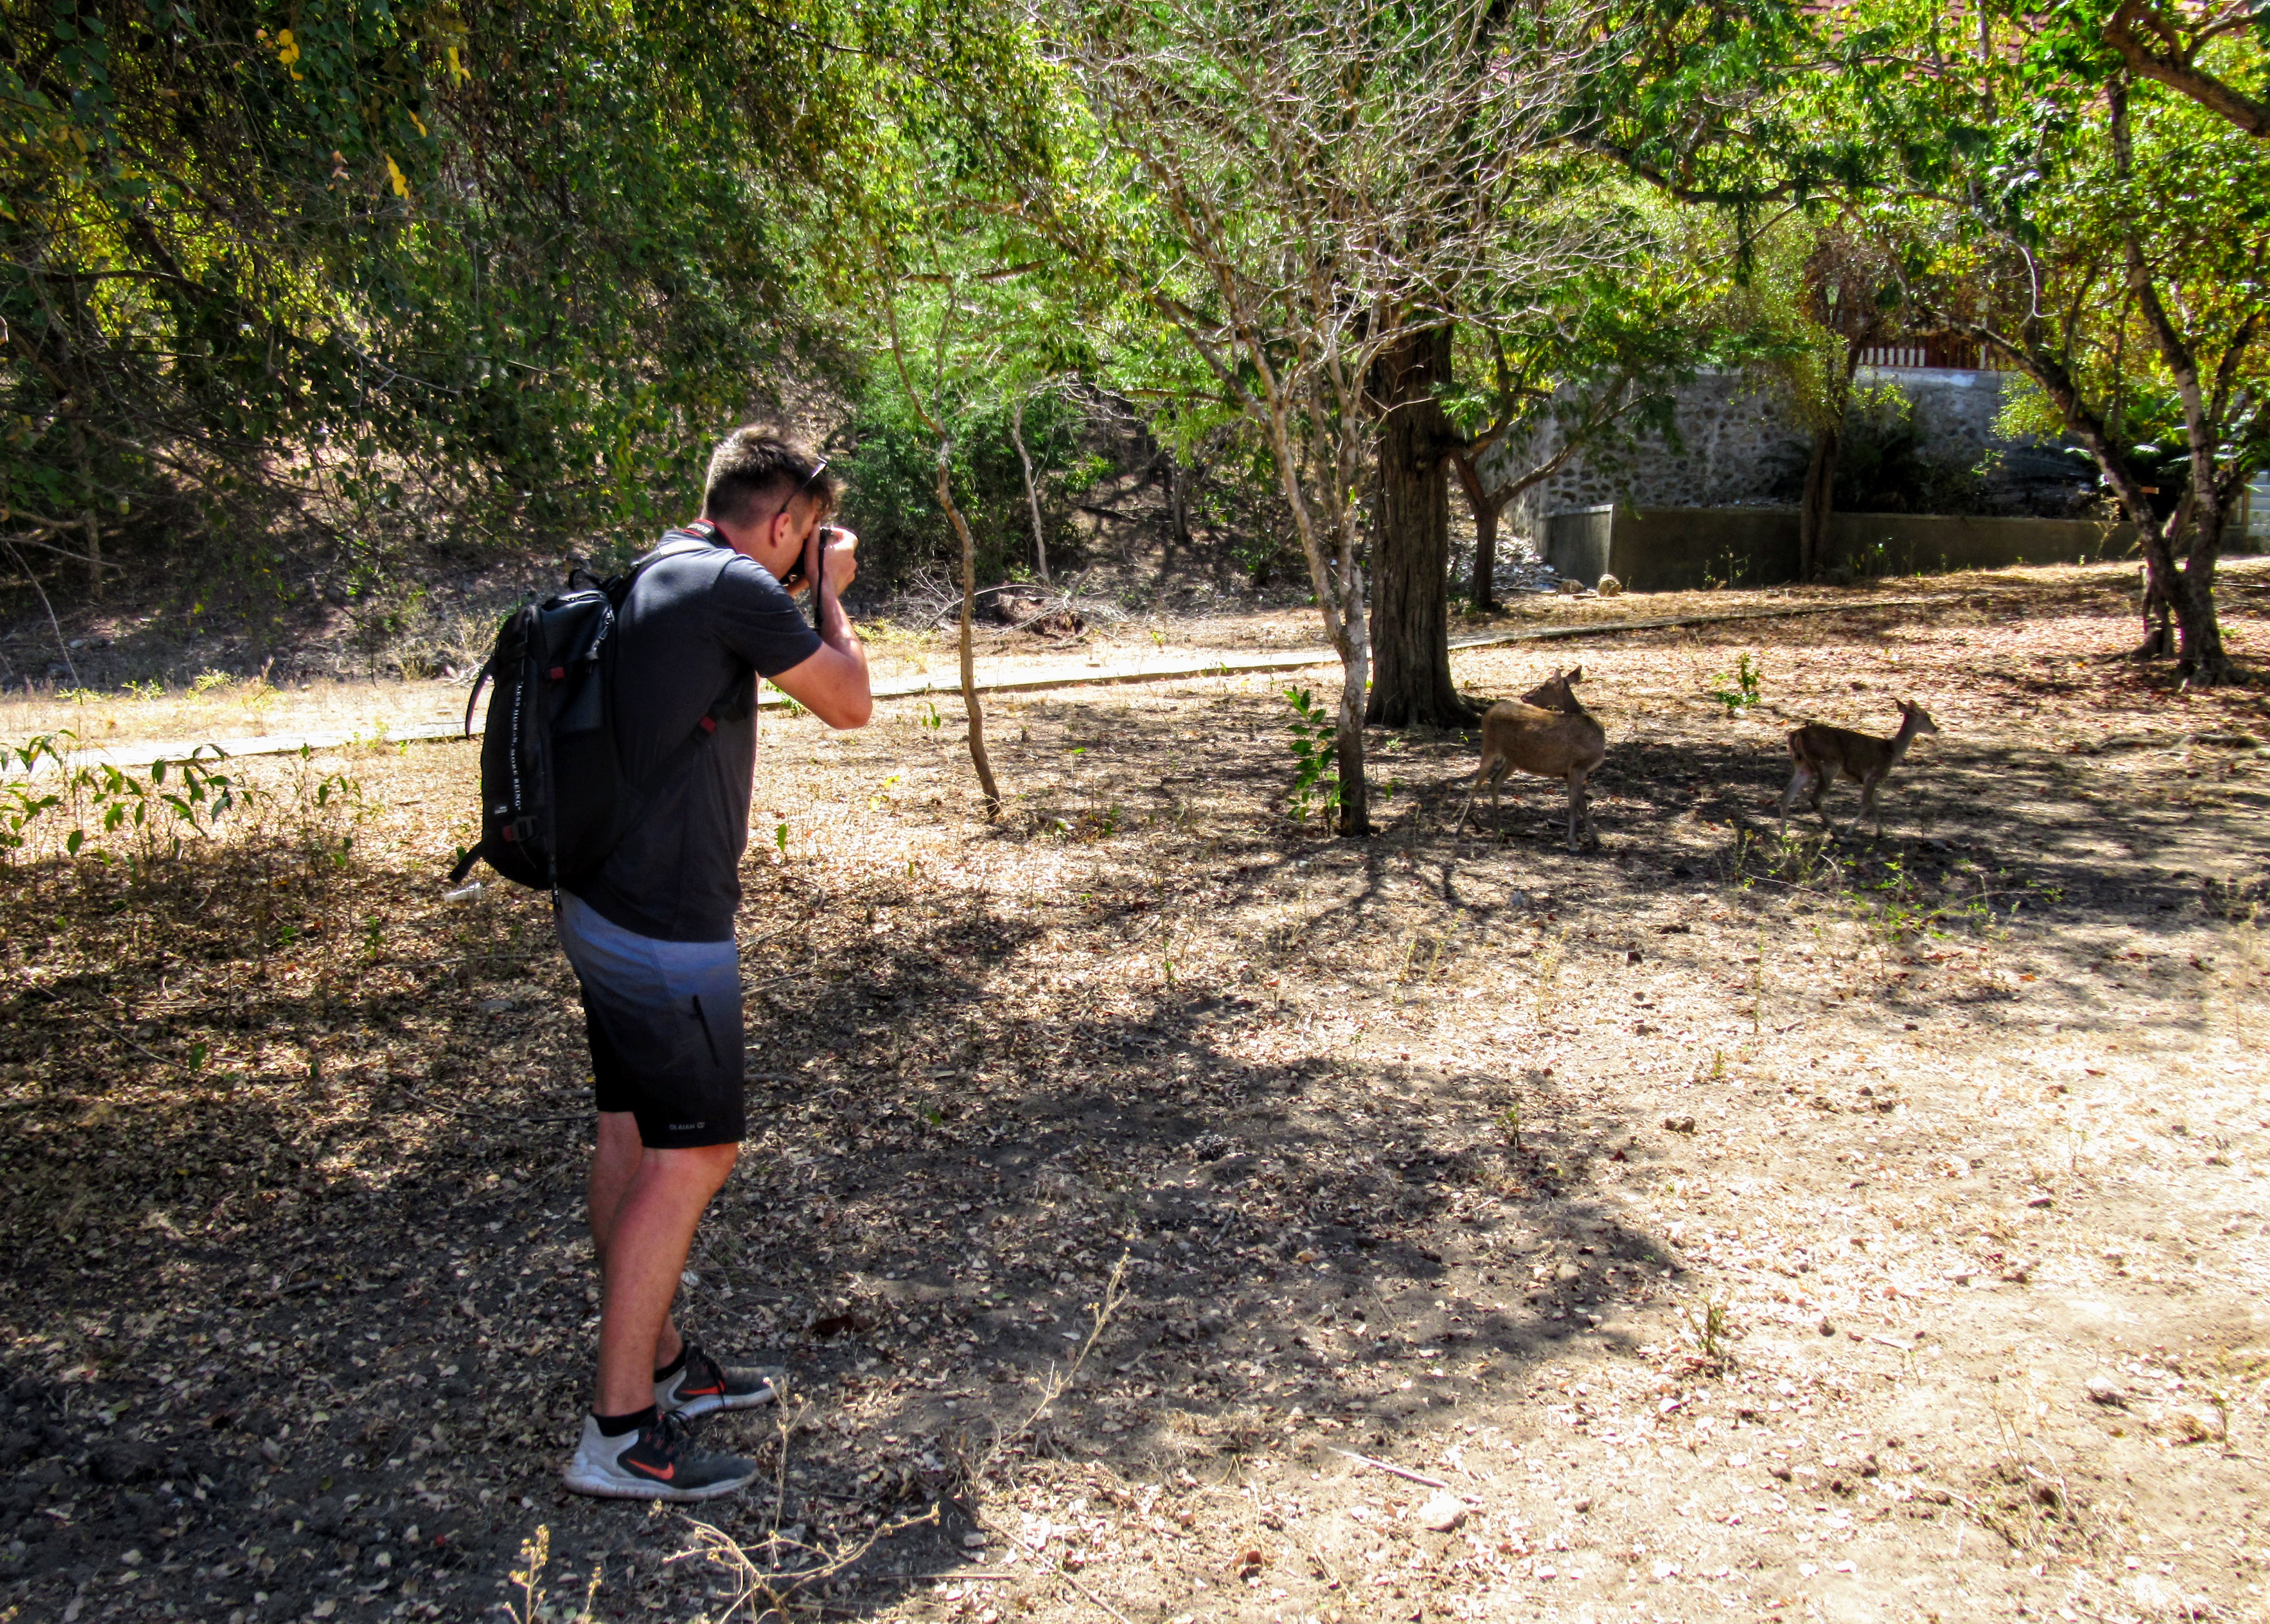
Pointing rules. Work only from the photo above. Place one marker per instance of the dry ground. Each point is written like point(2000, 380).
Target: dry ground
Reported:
point(1858, 1231)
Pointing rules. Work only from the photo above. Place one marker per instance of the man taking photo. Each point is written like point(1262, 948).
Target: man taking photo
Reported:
point(650, 934)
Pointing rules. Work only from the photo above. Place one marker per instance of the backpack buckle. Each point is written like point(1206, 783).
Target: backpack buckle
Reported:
point(518, 830)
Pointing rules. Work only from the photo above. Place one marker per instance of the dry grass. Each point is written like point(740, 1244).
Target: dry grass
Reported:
point(295, 1154)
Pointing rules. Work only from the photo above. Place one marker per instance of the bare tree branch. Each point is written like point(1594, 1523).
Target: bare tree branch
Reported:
point(2162, 42)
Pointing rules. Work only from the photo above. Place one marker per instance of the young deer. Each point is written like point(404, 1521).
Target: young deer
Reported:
point(1546, 732)
point(1824, 754)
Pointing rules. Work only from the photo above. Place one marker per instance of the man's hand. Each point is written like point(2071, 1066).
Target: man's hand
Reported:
point(833, 683)
point(839, 561)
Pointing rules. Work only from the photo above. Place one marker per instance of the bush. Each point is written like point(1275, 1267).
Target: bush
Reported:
point(890, 488)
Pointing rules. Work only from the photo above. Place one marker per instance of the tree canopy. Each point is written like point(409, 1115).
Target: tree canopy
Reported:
point(407, 273)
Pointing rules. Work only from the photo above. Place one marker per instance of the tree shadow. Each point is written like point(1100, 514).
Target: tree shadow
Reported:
point(967, 1108)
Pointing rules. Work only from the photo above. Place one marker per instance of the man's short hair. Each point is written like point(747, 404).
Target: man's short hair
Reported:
point(756, 465)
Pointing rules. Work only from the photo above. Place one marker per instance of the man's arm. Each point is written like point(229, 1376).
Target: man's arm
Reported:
point(832, 683)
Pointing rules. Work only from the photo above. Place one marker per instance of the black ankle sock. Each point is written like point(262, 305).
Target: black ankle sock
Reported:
point(675, 1365)
point(617, 1426)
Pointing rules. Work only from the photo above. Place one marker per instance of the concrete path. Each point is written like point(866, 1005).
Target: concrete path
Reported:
point(1027, 678)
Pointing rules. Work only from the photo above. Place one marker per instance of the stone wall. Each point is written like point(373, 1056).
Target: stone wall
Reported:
point(1739, 444)
point(1680, 549)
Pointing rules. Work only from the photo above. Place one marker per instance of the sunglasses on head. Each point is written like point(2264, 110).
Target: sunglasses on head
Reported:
point(818, 467)
point(796, 575)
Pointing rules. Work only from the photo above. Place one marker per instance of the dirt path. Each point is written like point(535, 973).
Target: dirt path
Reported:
point(132, 726)
point(1873, 1232)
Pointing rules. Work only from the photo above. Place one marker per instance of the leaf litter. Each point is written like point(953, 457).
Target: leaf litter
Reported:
point(1942, 1286)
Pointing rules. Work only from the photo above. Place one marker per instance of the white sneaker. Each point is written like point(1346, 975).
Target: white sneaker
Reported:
point(657, 1462)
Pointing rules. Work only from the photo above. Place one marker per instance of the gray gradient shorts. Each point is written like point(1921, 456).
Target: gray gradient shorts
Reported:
point(664, 1020)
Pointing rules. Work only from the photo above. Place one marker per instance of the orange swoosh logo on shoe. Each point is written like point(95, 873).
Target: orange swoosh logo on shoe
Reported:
point(664, 1474)
point(699, 1392)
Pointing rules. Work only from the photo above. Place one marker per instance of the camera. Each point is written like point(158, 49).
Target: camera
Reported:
point(800, 577)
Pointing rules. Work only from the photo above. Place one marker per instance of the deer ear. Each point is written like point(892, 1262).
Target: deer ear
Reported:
point(1577, 675)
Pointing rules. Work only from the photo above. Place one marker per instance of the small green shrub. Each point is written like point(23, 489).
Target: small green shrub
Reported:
point(1315, 778)
point(176, 796)
point(1743, 690)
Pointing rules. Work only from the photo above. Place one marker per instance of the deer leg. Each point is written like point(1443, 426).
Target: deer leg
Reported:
point(1579, 807)
point(1497, 787)
point(1789, 796)
point(1868, 811)
point(1480, 773)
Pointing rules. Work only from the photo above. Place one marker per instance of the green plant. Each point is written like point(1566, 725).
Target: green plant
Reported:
point(151, 690)
point(1316, 783)
point(1740, 691)
point(1712, 1331)
point(112, 798)
point(928, 715)
point(206, 681)
point(322, 805)
point(1509, 1123)
point(22, 800)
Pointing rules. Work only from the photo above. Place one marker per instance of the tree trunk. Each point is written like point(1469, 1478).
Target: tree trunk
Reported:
point(1339, 586)
point(2159, 639)
point(1348, 753)
point(1819, 504)
point(1484, 594)
point(1482, 591)
point(1819, 501)
point(1180, 480)
point(1411, 682)
point(1032, 492)
point(2200, 656)
point(978, 759)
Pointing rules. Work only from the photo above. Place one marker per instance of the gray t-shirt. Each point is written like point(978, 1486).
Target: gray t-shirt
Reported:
point(697, 623)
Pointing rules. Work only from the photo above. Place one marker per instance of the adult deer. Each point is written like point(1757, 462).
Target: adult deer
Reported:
point(1546, 732)
point(1824, 754)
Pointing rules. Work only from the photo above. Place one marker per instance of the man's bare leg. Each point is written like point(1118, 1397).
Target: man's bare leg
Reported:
point(614, 1164)
point(645, 1250)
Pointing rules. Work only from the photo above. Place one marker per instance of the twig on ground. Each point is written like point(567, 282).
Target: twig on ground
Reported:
point(1056, 1570)
point(62, 647)
point(762, 1589)
point(1052, 1388)
point(1390, 1467)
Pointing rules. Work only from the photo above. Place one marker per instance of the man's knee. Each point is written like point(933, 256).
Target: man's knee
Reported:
point(709, 1164)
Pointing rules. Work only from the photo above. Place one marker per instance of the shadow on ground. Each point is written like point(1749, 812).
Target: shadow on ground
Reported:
point(300, 1306)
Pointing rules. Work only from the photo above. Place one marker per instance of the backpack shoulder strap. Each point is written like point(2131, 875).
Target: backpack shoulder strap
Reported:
point(480, 681)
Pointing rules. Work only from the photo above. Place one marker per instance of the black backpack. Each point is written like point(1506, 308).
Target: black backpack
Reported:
point(555, 801)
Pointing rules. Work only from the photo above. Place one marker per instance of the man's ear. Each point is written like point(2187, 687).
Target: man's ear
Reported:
point(779, 528)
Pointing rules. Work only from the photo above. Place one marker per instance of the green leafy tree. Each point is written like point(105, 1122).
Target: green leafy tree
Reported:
point(2198, 49)
point(1304, 197)
point(479, 267)
point(2109, 238)
point(1590, 370)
